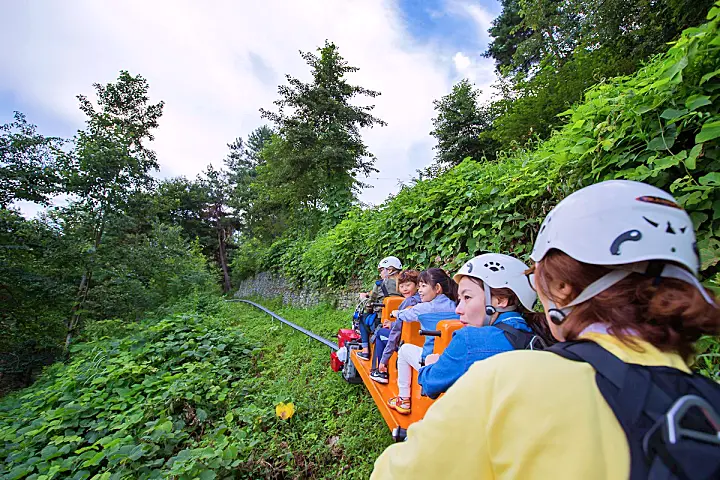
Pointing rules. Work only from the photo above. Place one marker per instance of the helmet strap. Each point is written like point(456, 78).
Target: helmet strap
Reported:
point(491, 310)
point(559, 315)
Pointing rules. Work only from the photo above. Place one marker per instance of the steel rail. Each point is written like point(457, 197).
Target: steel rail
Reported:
point(307, 332)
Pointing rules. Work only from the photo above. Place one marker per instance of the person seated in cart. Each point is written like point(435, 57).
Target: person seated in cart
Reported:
point(495, 302)
point(389, 268)
point(388, 337)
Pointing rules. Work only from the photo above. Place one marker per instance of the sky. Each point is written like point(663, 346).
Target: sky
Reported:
point(217, 63)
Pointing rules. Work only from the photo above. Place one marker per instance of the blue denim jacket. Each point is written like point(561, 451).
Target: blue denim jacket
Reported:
point(429, 314)
point(468, 345)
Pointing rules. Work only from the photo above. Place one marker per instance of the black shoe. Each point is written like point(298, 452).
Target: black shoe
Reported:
point(379, 377)
point(363, 355)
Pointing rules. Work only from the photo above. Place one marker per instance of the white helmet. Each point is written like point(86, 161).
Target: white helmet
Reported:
point(628, 226)
point(499, 271)
point(388, 262)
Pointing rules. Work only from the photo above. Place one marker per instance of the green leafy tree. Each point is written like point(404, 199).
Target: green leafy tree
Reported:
point(216, 187)
point(459, 125)
point(110, 160)
point(315, 163)
point(28, 170)
point(550, 52)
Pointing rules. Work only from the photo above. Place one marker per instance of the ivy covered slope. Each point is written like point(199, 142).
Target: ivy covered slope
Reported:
point(660, 125)
point(190, 396)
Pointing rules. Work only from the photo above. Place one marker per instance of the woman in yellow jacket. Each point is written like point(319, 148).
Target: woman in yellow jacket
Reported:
point(615, 263)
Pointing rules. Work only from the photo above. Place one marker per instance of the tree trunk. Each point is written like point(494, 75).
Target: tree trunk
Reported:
point(75, 312)
point(227, 285)
point(83, 289)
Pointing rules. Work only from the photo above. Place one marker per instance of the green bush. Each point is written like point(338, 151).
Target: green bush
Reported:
point(190, 396)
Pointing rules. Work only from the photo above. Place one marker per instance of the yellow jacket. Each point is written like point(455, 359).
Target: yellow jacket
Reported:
point(522, 415)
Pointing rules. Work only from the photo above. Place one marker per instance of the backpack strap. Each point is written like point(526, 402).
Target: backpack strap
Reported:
point(641, 407)
point(384, 289)
point(519, 339)
point(615, 371)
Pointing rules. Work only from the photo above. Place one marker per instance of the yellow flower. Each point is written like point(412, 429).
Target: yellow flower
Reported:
point(285, 410)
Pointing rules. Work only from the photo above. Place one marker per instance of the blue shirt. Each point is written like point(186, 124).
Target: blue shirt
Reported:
point(396, 329)
point(410, 301)
point(468, 345)
point(429, 314)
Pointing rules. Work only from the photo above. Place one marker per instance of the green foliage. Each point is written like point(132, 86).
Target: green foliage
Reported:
point(191, 396)
point(247, 259)
point(311, 166)
point(459, 124)
point(152, 403)
point(27, 163)
point(659, 126)
point(549, 53)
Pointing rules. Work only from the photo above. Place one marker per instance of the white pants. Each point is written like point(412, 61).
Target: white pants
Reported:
point(409, 357)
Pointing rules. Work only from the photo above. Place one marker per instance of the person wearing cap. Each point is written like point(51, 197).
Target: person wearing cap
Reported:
point(615, 265)
point(492, 291)
point(389, 268)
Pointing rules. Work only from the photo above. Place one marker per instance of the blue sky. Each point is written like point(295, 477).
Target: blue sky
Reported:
point(215, 65)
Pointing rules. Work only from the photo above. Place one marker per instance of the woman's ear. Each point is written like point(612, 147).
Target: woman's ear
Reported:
point(563, 291)
point(438, 289)
point(501, 302)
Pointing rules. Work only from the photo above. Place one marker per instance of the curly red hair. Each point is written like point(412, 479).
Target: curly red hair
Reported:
point(670, 314)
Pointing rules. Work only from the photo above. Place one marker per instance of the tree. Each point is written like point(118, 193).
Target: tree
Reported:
point(27, 163)
point(216, 187)
point(108, 163)
point(459, 124)
point(315, 162)
point(549, 52)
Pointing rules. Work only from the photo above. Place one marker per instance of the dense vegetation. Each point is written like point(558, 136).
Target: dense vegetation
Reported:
point(194, 395)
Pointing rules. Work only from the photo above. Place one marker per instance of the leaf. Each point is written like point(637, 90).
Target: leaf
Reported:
point(671, 114)
point(709, 131)
point(201, 414)
point(697, 101)
point(95, 460)
point(708, 76)
point(693, 155)
point(207, 475)
point(660, 143)
point(711, 179)
point(698, 218)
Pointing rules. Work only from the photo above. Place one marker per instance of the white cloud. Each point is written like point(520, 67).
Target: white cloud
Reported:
point(215, 64)
point(462, 62)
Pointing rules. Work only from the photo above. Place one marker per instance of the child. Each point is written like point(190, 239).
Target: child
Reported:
point(388, 337)
point(439, 299)
point(493, 292)
point(388, 269)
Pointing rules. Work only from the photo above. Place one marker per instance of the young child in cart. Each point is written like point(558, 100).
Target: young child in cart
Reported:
point(387, 338)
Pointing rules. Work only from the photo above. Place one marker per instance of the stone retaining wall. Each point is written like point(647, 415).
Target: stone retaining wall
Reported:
point(268, 285)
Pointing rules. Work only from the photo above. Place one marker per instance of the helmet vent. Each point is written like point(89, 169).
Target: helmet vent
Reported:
point(654, 224)
point(669, 229)
point(682, 229)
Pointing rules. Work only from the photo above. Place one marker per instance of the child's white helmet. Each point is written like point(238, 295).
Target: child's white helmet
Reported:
point(625, 225)
point(499, 271)
point(388, 262)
